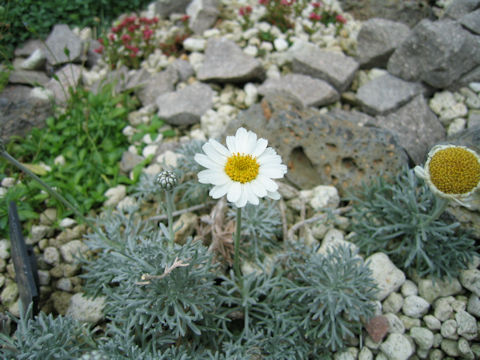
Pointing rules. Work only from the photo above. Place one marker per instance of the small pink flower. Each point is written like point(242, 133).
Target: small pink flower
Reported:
point(185, 18)
point(111, 37)
point(147, 34)
point(245, 10)
point(100, 40)
point(126, 38)
point(155, 20)
point(99, 50)
point(315, 17)
point(115, 29)
point(340, 19)
point(317, 5)
point(263, 2)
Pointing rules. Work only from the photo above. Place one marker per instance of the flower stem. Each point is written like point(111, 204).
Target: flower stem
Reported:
point(440, 207)
point(236, 240)
point(169, 198)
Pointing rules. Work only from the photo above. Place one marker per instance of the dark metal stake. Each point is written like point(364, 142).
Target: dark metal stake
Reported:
point(24, 262)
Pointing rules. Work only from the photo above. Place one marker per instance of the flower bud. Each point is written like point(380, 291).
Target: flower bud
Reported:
point(167, 180)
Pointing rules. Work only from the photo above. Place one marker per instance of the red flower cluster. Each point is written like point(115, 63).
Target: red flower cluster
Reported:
point(245, 10)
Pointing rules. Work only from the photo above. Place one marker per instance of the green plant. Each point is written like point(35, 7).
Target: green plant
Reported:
point(324, 14)
point(129, 42)
point(45, 337)
point(335, 292)
point(405, 220)
point(21, 20)
point(244, 12)
point(173, 45)
point(278, 13)
point(88, 135)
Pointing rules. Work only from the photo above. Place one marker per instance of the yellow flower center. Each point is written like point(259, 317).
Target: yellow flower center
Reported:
point(242, 168)
point(454, 170)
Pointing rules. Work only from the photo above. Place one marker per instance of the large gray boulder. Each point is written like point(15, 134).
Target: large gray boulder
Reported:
point(225, 62)
point(322, 149)
point(471, 21)
point(386, 93)
point(60, 39)
point(185, 106)
point(333, 67)
point(302, 89)
point(438, 53)
point(165, 8)
point(460, 8)
point(156, 85)
point(377, 40)
point(411, 120)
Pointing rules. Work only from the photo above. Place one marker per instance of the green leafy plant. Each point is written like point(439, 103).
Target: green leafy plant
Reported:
point(278, 13)
point(335, 291)
point(324, 14)
point(88, 135)
point(400, 218)
point(46, 337)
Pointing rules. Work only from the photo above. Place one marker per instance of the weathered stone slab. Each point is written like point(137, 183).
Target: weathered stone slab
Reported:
point(304, 89)
point(411, 120)
point(156, 85)
point(377, 40)
point(185, 106)
point(386, 93)
point(438, 53)
point(164, 8)
point(334, 67)
point(28, 77)
point(68, 77)
point(203, 14)
point(320, 149)
point(225, 62)
point(62, 38)
point(459, 8)
point(471, 21)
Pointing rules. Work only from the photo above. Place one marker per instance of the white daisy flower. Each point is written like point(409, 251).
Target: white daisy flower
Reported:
point(243, 170)
point(453, 172)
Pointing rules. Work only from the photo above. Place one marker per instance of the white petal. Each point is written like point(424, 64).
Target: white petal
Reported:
point(218, 191)
point(273, 172)
point(269, 157)
point(251, 142)
point(260, 147)
point(231, 144)
point(268, 183)
point(258, 188)
point(251, 197)
point(420, 172)
point(213, 154)
point(220, 148)
point(214, 177)
point(275, 195)
point(241, 138)
point(234, 192)
point(243, 199)
point(205, 161)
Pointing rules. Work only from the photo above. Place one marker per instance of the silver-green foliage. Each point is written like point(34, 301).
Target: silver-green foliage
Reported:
point(146, 294)
point(44, 337)
point(335, 291)
point(398, 218)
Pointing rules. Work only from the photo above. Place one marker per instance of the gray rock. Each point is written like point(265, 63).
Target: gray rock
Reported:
point(62, 38)
point(68, 77)
point(467, 325)
point(19, 112)
point(438, 53)
point(129, 161)
point(203, 14)
point(386, 93)
point(156, 85)
point(470, 280)
point(385, 274)
point(185, 106)
point(450, 347)
point(9, 293)
point(302, 89)
point(183, 68)
point(86, 310)
point(64, 284)
point(38, 232)
point(449, 329)
point(165, 8)
point(465, 350)
point(333, 67)
point(415, 306)
point(29, 47)
point(4, 249)
point(395, 325)
point(28, 77)
point(51, 255)
point(44, 277)
point(72, 249)
point(320, 149)
point(225, 62)
point(472, 21)
point(410, 120)
point(473, 306)
point(432, 322)
point(377, 40)
point(431, 291)
point(35, 61)
point(408, 12)
point(393, 303)
point(397, 347)
point(422, 337)
point(459, 8)
point(443, 308)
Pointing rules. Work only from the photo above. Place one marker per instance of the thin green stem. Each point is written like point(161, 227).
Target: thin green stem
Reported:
point(170, 209)
point(440, 207)
point(236, 240)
